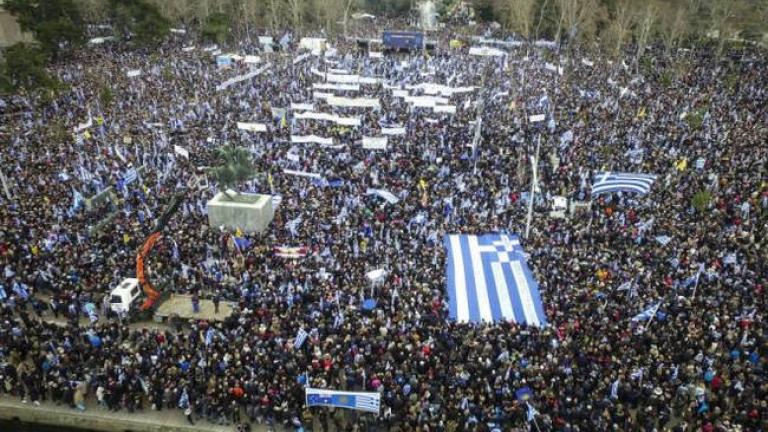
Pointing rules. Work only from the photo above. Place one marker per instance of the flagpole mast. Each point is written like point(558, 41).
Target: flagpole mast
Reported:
point(534, 179)
point(650, 320)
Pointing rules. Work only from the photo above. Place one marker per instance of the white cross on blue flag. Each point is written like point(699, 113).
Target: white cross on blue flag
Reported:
point(488, 280)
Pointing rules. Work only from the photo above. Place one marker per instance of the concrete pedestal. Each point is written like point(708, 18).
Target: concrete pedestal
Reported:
point(249, 212)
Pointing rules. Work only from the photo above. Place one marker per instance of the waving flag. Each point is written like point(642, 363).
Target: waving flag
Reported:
point(488, 280)
point(384, 194)
point(524, 394)
point(301, 337)
point(360, 401)
point(532, 412)
point(606, 182)
point(647, 313)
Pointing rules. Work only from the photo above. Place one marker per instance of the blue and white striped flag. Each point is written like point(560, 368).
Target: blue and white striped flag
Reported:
point(488, 280)
point(615, 389)
point(130, 176)
point(532, 412)
point(301, 336)
point(360, 401)
point(292, 225)
point(184, 400)
point(77, 201)
point(606, 182)
point(646, 314)
point(209, 336)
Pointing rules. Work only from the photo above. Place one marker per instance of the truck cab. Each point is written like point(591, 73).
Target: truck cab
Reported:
point(123, 297)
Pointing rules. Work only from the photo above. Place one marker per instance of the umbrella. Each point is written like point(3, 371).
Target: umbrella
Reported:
point(369, 304)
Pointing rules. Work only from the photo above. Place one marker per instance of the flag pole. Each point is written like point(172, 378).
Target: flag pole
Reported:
point(535, 423)
point(534, 178)
point(648, 324)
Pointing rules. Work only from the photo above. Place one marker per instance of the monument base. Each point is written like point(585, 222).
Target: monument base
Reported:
point(248, 212)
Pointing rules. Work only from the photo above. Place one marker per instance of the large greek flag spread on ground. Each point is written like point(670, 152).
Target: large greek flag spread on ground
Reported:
point(606, 182)
point(489, 280)
point(361, 401)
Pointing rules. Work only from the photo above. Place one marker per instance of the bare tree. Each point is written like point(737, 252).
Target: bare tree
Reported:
point(518, 15)
point(673, 25)
point(575, 17)
point(644, 23)
point(347, 9)
point(296, 7)
point(720, 14)
point(619, 28)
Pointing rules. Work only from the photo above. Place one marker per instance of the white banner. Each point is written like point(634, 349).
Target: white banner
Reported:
point(302, 107)
point(375, 54)
point(386, 195)
point(240, 78)
point(553, 68)
point(350, 79)
point(252, 59)
point(252, 127)
point(449, 109)
point(188, 49)
point(426, 101)
point(301, 58)
point(340, 87)
point(486, 52)
point(266, 40)
point(311, 139)
point(312, 44)
point(433, 89)
point(344, 121)
point(133, 73)
point(537, 118)
point(302, 173)
point(375, 143)
point(181, 151)
point(393, 131)
point(586, 62)
point(178, 31)
point(400, 93)
point(321, 95)
point(353, 102)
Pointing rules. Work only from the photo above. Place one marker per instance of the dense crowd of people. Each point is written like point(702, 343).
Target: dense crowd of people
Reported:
point(695, 245)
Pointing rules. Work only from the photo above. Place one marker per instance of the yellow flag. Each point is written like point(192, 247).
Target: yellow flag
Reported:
point(99, 120)
point(35, 250)
point(87, 134)
point(238, 232)
point(641, 112)
point(126, 238)
point(682, 164)
point(283, 122)
point(423, 184)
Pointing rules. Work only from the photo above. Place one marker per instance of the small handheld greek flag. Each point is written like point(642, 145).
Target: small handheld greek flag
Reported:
point(531, 412)
point(301, 336)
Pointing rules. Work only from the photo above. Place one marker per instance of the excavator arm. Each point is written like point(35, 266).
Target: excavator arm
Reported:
point(152, 294)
